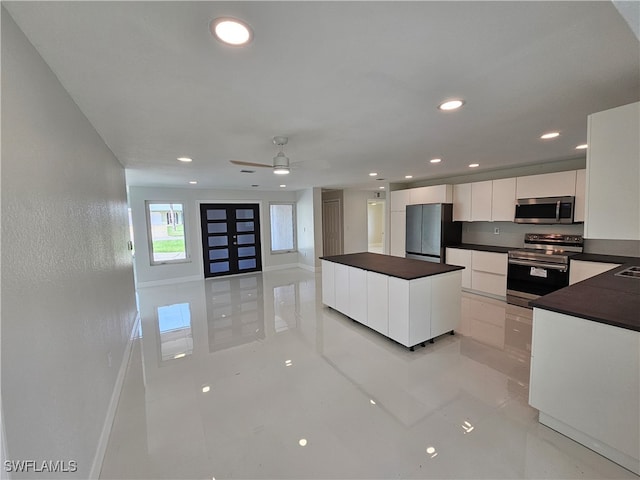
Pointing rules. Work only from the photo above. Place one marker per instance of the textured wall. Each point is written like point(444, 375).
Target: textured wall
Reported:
point(68, 302)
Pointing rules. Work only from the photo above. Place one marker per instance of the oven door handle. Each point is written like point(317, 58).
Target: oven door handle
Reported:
point(557, 210)
point(550, 266)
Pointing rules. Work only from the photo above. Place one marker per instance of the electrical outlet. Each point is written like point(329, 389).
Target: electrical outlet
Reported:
point(496, 230)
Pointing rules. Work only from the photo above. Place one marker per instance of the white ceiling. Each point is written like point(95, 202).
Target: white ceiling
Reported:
point(354, 85)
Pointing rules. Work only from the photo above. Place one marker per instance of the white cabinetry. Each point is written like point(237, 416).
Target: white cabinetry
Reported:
point(489, 273)
point(358, 295)
point(503, 200)
point(481, 201)
point(328, 284)
point(593, 398)
point(407, 311)
point(433, 194)
point(581, 179)
point(580, 270)
point(399, 200)
point(613, 169)
point(462, 202)
point(341, 283)
point(557, 184)
point(378, 302)
point(462, 258)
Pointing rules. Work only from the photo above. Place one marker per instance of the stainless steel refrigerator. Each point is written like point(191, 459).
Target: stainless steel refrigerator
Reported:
point(430, 229)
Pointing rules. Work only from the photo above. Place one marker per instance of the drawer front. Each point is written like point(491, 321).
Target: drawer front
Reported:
point(489, 262)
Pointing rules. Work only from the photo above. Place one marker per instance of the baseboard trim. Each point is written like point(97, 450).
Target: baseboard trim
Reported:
point(286, 266)
point(169, 281)
point(308, 267)
point(96, 467)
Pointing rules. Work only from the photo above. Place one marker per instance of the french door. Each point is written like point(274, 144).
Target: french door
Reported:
point(230, 238)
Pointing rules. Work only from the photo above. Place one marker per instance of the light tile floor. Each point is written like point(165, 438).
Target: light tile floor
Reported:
point(252, 377)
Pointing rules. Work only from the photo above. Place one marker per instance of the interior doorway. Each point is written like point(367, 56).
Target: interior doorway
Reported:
point(375, 225)
point(332, 227)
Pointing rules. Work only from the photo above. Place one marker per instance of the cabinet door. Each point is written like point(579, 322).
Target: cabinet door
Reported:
point(557, 184)
point(399, 306)
point(341, 275)
point(432, 194)
point(378, 302)
point(503, 200)
point(481, 201)
point(578, 214)
point(613, 170)
point(358, 295)
point(580, 270)
point(462, 202)
point(462, 258)
point(399, 200)
point(489, 272)
point(397, 234)
point(445, 303)
point(328, 284)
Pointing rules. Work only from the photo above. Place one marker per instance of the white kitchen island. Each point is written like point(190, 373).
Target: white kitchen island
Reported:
point(409, 301)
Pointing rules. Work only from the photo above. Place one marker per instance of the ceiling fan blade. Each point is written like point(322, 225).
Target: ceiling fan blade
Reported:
point(250, 164)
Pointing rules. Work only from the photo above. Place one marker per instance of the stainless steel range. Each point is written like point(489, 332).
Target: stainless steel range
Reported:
point(540, 268)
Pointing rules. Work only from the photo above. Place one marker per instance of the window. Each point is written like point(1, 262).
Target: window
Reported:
point(165, 222)
point(283, 221)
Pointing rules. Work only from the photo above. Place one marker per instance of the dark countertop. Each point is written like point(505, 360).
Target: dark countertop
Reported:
point(604, 298)
point(597, 257)
point(404, 268)
point(484, 248)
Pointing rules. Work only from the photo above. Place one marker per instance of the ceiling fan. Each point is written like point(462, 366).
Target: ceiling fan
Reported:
point(280, 161)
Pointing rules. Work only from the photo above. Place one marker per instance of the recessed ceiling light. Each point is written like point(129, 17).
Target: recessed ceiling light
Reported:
point(185, 159)
point(193, 182)
point(582, 147)
point(435, 160)
point(408, 176)
point(373, 174)
point(381, 188)
point(282, 186)
point(451, 105)
point(231, 31)
point(549, 135)
point(206, 388)
point(474, 165)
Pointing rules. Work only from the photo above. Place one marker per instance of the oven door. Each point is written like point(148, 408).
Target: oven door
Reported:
point(532, 279)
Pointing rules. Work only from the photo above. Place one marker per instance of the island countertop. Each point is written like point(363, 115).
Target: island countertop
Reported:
point(404, 268)
point(605, 298)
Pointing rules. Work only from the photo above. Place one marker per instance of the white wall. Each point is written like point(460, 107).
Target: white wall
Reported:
point(68, 304)
point(148, 274)
point(355, 220)
point(309, 228)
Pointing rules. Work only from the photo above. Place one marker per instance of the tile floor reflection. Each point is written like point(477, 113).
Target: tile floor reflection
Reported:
point(263, 381)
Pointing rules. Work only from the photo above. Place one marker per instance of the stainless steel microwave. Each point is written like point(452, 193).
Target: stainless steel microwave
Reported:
point(547, 210)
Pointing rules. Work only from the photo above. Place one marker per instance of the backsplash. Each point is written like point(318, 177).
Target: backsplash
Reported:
point(511, 234)
point(624, 248)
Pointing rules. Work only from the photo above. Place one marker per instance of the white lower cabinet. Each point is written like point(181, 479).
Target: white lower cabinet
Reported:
point(341, 283)
point(462, 258)
point(489, 273)
point(410, 302)
point(328, 284)
point(580, 270)
point(585, 381)
point(378, 302)
point(407, 311)
point(358, 295)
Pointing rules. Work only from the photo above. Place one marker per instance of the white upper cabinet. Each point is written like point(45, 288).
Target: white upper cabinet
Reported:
point(559, 184)
point(398, 234)
point(481, 193)
point(399, 200)
point(433, 194)
point(613, 170)
point(462, 202)
point(503, 200)
point(581, 179)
